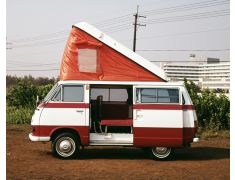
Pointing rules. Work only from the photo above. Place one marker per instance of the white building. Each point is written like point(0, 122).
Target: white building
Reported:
point(211, 75)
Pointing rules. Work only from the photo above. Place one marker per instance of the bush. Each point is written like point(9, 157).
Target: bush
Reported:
point(42, 91)
point(16, 115)
point(213, 111)
point(39, 81)
point(23, 95)
point(21, 101)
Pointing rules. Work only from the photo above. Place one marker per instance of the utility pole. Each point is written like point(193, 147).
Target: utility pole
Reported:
point(135, 26)
point(8, 44)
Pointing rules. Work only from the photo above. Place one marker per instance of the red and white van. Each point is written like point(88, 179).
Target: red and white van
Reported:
point(156, 116)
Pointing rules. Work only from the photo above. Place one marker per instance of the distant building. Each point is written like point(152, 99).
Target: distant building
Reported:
point(211, 74)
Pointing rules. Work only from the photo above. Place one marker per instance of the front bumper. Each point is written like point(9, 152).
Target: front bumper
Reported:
point(196, 139)
point(39, 138)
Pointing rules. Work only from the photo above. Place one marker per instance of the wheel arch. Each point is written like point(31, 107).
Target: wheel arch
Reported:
point(58, 131)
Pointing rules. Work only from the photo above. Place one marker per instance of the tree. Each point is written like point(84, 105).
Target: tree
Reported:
point(22, 95)
point(43, 90)
point(213, 111)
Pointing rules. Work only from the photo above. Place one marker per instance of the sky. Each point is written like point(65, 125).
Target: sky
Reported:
point(37, 30)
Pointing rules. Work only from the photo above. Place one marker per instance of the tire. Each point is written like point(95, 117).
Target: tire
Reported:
point(145, 149)
point(161, 153)
point(65, 146)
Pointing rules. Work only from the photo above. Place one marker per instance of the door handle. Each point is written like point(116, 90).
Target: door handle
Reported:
point(139, 117)
point(139, 114)
point(79, 111)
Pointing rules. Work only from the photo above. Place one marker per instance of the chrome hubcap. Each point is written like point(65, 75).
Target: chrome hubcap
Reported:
point(161, 152)
point(65, 146)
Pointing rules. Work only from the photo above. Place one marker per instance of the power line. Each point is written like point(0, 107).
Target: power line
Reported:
point(180, 50)
point(39, 37)
point(63, 32)
point(56, 69)
point(40, 43)
point(50, 39)
point(188, 61)
point(112, 28)
point(194, 16)
point(180, 34)
point(127, 26)
point(31, 63)
point(16, 66)
point(112, 21)
point(33, 69)
point(123, 18)
point(186, 7)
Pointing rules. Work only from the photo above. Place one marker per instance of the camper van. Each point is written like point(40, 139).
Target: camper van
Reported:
point(109, 95)
point(155, 116)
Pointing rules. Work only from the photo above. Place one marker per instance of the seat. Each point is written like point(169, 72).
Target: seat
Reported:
point(99, 111)
point(96, 113)
point(117, 122)
point(99, 107)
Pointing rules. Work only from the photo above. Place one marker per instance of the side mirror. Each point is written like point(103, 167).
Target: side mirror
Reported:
point(183, 100)
point(37, 101)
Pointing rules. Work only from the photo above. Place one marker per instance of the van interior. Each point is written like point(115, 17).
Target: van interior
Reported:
point(111, 109)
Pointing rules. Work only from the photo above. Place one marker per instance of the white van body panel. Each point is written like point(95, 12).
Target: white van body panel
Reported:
point(164, 124)
point(158, 118)
point(65, 116)
point(188, 118)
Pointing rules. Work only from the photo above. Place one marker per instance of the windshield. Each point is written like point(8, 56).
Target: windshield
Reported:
point(50, 93)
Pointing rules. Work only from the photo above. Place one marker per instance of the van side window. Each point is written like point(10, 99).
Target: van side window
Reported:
point(158, 95)
point(168, 96)
point(148, 95)
point(110, 94)
point(73, 93)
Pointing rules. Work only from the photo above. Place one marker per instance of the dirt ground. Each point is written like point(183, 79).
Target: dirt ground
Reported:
point(208, 159)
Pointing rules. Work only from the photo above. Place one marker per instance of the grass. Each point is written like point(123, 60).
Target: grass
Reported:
point(208, 134)
point(18, 115)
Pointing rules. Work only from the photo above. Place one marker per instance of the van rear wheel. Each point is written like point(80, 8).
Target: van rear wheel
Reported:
point(161, 153)
point(65, 146)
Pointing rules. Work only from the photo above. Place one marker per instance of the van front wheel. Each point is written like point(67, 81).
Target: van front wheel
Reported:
point(161, 153)
point(65, 146)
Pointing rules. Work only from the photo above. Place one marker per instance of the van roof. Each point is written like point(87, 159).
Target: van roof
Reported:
point(123, 83)
point(91, 30)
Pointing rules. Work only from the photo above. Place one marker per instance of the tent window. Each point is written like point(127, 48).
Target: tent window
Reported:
point(87, 60)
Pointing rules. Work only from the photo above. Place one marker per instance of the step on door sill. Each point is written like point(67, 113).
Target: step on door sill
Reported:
point(110, 144)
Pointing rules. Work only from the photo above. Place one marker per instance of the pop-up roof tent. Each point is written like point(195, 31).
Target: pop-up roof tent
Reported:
point(92, 55)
